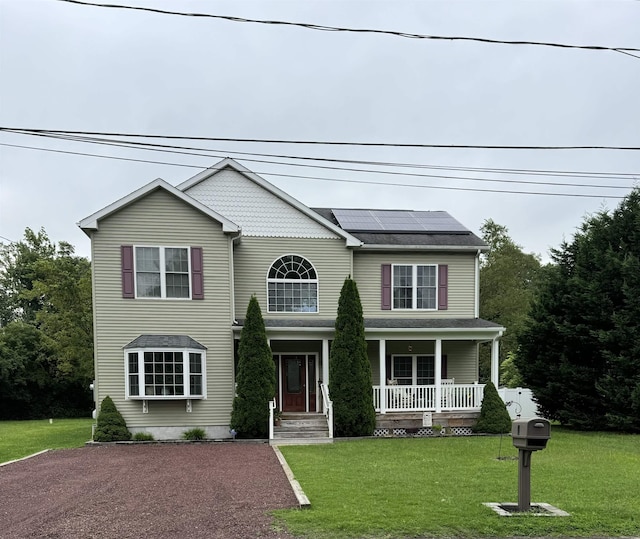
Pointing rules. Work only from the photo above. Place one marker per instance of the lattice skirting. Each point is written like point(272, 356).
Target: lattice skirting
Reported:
point(423, 431)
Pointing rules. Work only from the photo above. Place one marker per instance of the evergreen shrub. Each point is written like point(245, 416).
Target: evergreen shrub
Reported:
point(494, 417)
point(111, 426)
point(255, 377)
point(194, 434)
point(143, 437)
point(350, 369)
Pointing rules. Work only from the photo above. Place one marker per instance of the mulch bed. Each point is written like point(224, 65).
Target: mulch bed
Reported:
point(167, 490)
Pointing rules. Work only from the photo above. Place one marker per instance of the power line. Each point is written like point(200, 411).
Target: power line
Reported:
point(175, 149)
point(319, 142)
point(339, 180)
point(344, 169)
point(325, 28)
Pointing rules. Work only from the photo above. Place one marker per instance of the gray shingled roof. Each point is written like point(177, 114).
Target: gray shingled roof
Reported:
point(382, 323)
point(165, 341)
point(455, 239)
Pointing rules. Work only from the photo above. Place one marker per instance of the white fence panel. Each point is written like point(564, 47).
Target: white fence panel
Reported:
point(519, 402)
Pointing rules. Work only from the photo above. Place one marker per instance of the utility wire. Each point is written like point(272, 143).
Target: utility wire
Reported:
point(325, 28)
point(348, 169)
point(211, 153)
point(317, 142)
point(368, 182)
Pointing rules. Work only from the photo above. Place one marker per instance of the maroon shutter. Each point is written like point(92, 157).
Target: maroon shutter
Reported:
point(443, 287)
point(197, 280)
point(128, 288)
point(443, 369)
point(386, 287)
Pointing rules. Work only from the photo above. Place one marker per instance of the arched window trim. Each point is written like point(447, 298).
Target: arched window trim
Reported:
point(310, 271)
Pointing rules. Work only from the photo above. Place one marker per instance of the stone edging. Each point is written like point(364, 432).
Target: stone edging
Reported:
point(24, 458)
point(303, 501)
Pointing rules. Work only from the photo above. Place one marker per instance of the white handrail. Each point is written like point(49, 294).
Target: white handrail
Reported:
point(327, 407)
point(272, 407)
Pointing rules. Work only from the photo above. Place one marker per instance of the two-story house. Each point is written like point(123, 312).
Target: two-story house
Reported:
point(174, 269)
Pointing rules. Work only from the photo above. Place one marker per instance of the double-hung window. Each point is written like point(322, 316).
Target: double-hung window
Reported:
point(162, 272)
point(415, 286)
point(165, 373)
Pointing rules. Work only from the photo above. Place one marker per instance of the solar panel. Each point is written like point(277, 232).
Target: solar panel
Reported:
point(357, 220)
point(401, 221)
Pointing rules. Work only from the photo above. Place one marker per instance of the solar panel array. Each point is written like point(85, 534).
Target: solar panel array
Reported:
point(400, 221)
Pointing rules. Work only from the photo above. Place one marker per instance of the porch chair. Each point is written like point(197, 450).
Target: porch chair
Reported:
point(447, 391)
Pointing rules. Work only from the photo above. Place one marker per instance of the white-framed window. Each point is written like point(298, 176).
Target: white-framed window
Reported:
point(165, 373)
point(413, 370)
point(162, 272)
point(292, 286)
point(415, 286)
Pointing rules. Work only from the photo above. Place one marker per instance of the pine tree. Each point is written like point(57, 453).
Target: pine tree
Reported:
point(494, 417)
point(255, 379)
point(350, 370)
point(580, 351)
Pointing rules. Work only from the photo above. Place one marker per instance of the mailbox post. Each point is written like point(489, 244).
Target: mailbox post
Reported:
point(528, 435)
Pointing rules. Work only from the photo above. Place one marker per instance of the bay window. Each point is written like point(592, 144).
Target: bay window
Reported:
point(165, 373)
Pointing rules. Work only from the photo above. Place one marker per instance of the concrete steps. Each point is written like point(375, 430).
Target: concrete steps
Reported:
point(301, 428)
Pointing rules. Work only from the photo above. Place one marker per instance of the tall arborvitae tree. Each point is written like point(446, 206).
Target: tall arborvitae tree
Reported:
point(350, 370)
point(255, 377)
point(580, 350)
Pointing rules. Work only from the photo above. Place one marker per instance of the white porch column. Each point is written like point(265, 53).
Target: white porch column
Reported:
point(325, 362)
point(382, 353)
point(438, 373)
point(495, 362)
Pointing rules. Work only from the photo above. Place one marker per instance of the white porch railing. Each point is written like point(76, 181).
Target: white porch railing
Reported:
point(327, 408)
point(423, 398)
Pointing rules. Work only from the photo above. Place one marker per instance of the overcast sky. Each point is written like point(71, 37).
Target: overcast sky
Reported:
point(71, 67)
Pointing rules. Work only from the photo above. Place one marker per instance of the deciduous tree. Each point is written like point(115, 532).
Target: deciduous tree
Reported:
point(508, 279)
point(45, 313)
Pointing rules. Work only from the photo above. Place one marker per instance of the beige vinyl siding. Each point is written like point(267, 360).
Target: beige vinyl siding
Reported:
point(163, 220)
point(253, 257)
point(367, 273)
point(462, 361)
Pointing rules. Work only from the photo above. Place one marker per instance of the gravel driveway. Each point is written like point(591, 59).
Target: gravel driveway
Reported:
point(165, 490)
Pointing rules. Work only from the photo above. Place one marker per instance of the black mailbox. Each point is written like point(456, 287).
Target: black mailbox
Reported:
point(531, 434)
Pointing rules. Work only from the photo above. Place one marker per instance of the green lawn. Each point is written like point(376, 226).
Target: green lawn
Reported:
point(436, 487)
point(21, 438)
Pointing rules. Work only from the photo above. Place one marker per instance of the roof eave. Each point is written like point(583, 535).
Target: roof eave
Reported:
point(460, 248)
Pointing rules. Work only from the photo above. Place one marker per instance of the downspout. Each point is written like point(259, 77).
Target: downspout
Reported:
point(232, 287)
point(477, 287)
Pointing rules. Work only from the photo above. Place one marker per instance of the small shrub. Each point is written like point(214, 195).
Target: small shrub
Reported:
point(111, 426)
point(143, 437)
point(194, 434)
point(494, 417)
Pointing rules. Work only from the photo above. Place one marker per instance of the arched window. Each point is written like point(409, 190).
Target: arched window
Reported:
point(292, 286)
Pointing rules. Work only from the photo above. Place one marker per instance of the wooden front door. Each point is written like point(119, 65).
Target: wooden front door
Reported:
point(293, 383)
